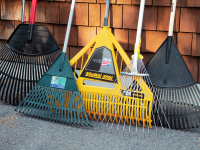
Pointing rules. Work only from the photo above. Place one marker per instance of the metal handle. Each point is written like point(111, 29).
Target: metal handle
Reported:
point(137, 42)
point(69, 26)
point(33, 11)
point(172, 17)
point(23, 6)
point(140, 21)
point(67, 33)
point(106, 13)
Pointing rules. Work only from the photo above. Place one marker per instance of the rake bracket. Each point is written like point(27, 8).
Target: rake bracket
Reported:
point(135, 74)
point(30, 32)
point(62, 62)
point(168, 49)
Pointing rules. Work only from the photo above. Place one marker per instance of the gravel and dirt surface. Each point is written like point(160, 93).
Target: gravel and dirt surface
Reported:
point(18, 131)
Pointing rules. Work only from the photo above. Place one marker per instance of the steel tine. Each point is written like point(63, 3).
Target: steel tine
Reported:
point(195, 93)
point(194, 103)
point(191, 103)
point(176, 110)
point(182, 110)
point(186, 107)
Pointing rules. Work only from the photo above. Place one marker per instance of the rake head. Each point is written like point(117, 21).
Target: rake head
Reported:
point(56, 97)
point(181, 106)
point(129, 103)
point(53, 104)
point(41, 41)
point(23, 62)
point(175, 87)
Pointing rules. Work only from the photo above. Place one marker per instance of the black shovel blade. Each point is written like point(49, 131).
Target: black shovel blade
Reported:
point(42, 41)
point(171, 75)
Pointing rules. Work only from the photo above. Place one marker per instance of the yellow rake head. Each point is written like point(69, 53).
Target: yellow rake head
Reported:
point(123, 101)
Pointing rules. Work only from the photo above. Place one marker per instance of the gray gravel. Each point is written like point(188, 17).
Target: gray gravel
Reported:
point(18, 131)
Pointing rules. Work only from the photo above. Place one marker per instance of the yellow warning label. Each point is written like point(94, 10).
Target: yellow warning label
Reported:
point(99, 76)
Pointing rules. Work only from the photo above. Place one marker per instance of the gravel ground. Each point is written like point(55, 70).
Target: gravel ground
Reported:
point(18, 131)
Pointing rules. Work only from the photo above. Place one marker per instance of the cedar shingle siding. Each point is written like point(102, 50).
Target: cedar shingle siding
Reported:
point(89, 16)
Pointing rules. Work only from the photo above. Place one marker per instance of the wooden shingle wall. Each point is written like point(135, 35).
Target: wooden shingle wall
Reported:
point(123, 17)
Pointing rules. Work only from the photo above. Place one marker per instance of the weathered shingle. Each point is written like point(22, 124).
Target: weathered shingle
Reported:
point(123, 20)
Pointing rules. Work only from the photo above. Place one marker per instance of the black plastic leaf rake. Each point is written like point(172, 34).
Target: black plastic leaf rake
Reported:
point(56, 96)
point(176, 88)
point(28, 54)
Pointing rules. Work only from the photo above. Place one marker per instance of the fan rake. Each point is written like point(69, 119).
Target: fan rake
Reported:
point(63, 106)
point(56, 96)
point(19, 73)
point(27, 55)
point(174, 83)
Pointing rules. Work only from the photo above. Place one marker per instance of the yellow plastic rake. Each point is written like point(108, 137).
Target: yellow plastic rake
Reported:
point(94, 97)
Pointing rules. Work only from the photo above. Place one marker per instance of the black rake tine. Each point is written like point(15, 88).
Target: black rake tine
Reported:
point(9, 71)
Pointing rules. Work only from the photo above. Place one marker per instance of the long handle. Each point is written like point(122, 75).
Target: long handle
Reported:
point(69, 26)
point(140, 21)
point(32, 20)
point(137, 42)
point(170, 33)
point(33, 11)
point(23, 6)
point(67, 32)
point(106, 13)
point(172, 17)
